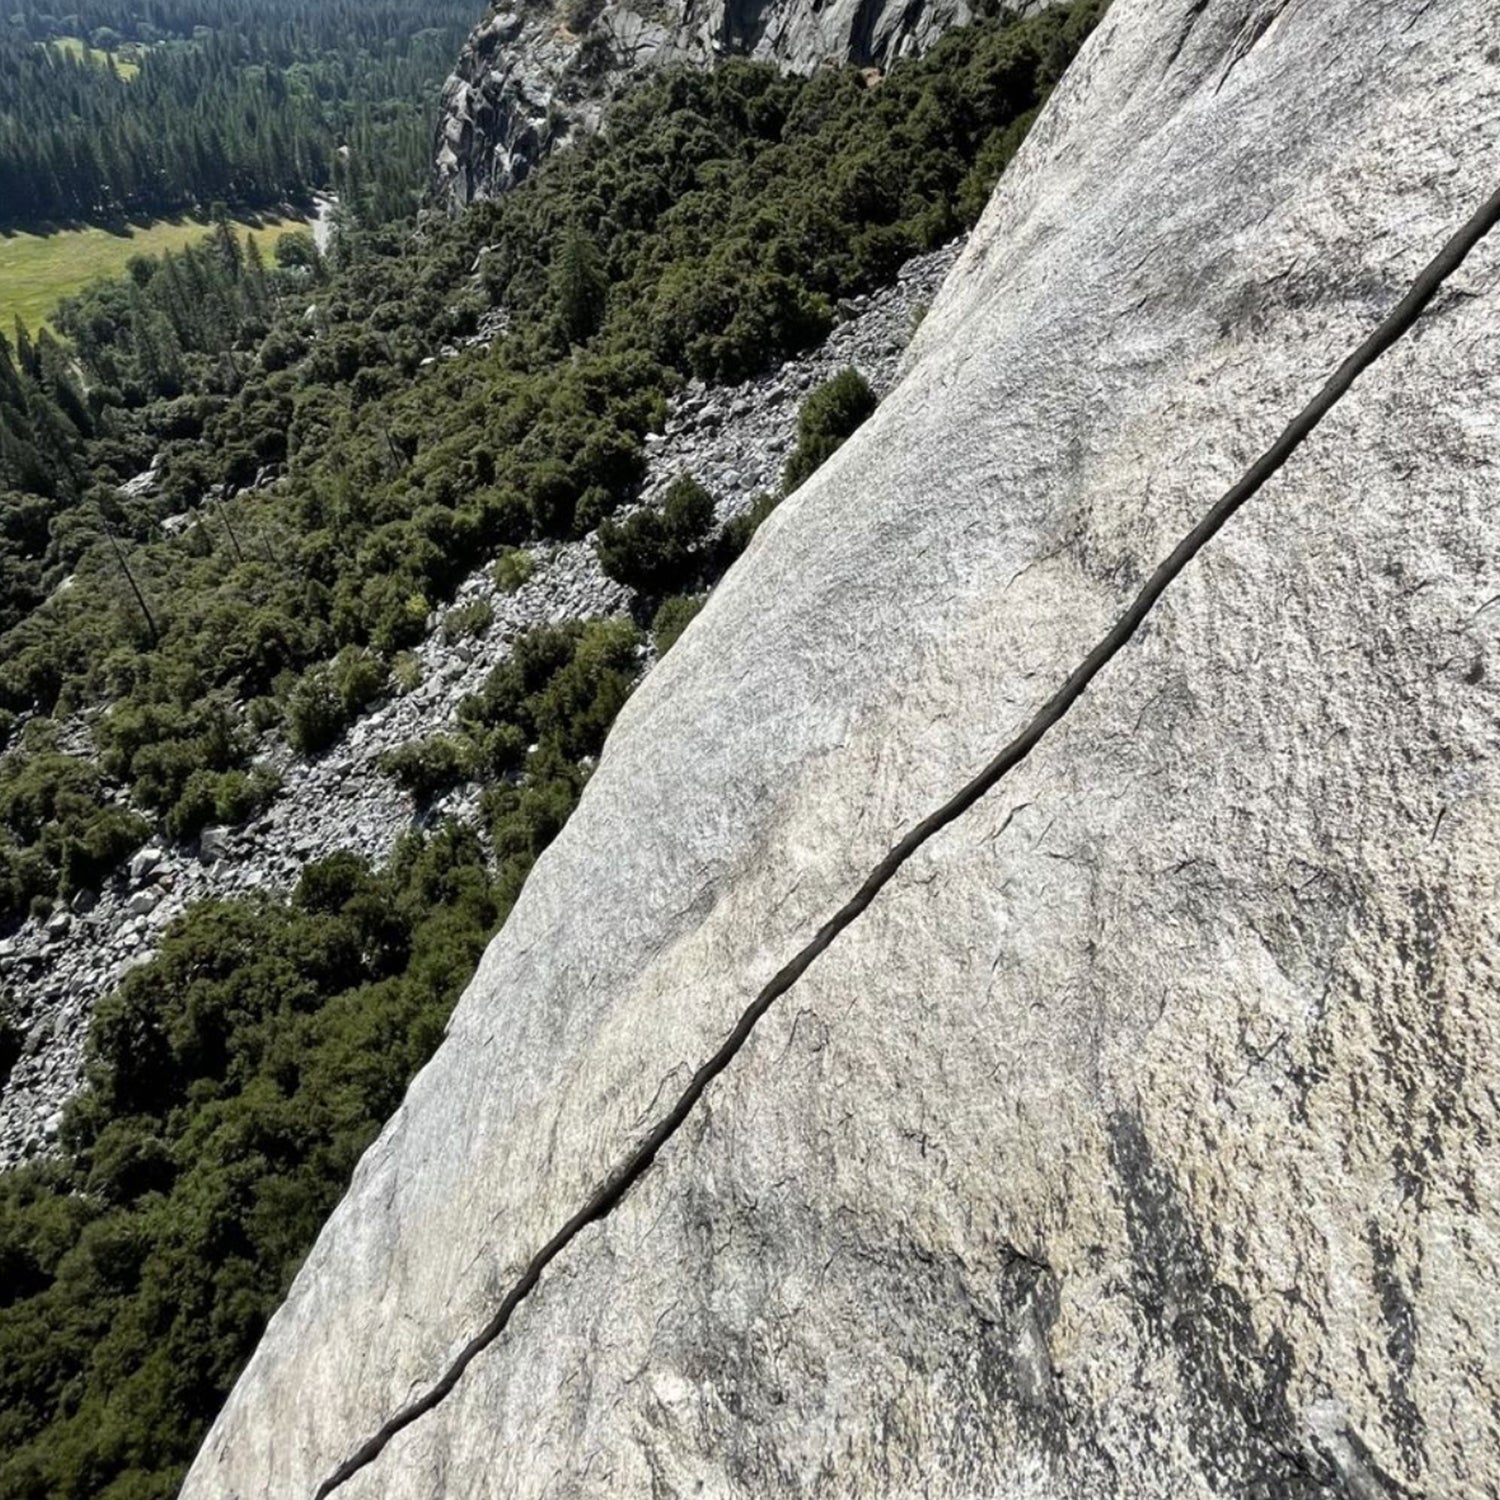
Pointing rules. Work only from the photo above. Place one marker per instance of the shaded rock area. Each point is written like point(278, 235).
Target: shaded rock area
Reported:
point(1140, 1139)
point(734, 439)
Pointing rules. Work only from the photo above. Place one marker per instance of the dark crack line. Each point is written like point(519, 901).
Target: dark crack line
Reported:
point(1190, 20)
point(638, 1162)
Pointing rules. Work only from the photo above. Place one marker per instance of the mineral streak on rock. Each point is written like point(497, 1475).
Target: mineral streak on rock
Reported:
point(1140, 1140)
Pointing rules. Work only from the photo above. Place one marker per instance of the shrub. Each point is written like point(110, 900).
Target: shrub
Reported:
point(595, 506)
point(427, 768)
point(93, 849)
point(57, 833)
point(574, 710)
point(607, 466)
point(220, 797)
point(553, 497)
point(328, 884)
point(674, 616)
point(501, 751)
point(736, 534)
point(525, 819)
point(397, 618)
point(560, 687)
point(158, 745)
point(297, 248)
point(468, 620)
point(512, 568)
point(658, 552)
point(240, 796)
point(504, 517)
point(360, 679)
point(314, 712)
point(828, 416)
point(406, 672)
point(195, 807)
point(263, 713)
point(24, 877)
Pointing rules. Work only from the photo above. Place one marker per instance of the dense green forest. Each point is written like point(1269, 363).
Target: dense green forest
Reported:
point(328, 484)
point(174, 105)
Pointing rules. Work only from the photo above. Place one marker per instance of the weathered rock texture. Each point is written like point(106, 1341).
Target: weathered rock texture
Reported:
point(535, 71)
point(1141, 1139)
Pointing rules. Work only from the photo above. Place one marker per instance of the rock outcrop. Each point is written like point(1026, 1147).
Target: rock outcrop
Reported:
point(1140, 1139)
point(535, 72)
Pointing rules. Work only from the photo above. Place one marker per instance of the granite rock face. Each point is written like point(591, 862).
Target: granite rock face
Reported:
point(534, 73)
point(1140, 1140)
point(733, 439)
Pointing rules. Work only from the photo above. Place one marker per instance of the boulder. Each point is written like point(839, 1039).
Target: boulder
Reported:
point(143, 902)
point(214, 844)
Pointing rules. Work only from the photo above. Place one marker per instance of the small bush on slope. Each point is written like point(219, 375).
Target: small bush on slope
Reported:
point(656, 552)
point(427, 768)
point(828, 417)
point(674, 616)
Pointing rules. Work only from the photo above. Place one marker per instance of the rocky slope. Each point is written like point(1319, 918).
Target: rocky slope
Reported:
point(734, 439)
point(535, 72)
point(1140, 1139)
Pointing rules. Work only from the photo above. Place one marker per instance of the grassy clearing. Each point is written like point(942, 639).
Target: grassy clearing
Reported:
point(75, 46)
point(37, 271)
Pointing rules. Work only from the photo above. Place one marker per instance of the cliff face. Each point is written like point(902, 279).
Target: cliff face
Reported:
point(535, 72)
point(1139, 1140)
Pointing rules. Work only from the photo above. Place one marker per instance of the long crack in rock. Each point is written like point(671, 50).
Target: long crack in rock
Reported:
point(640, 1159)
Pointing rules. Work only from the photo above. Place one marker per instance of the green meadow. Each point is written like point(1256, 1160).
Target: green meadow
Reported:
point(38, 270)
point(75, 46)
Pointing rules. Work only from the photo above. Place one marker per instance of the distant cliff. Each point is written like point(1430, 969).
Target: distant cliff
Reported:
point(534, 73)
point(1138, 1142)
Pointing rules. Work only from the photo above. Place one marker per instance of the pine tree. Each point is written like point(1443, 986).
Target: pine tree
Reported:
point(256, 284)
point(579, 284)
point(227, 243)
point(25, 354)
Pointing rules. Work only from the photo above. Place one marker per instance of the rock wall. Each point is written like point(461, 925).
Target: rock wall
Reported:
point(534, 72)
point(734, 439)
point(1140, 1139)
